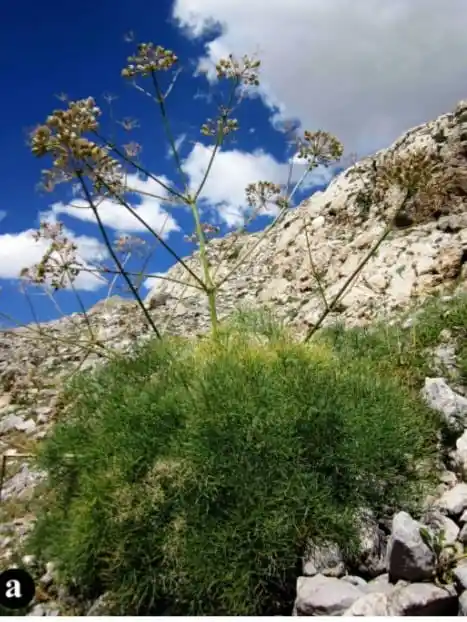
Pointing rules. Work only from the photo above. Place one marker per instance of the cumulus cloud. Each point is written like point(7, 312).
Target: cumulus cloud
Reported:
point(117, 217)
point(232, 171)
point(178, 145)
point(151, 282)
point(20, 250)
point(365, 70)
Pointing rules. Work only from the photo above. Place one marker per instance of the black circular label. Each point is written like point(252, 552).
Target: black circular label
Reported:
point(17, 588)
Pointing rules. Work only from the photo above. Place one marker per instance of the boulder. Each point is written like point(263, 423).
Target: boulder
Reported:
point(409, 558)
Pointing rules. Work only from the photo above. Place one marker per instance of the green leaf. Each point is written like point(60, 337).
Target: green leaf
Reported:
point(426, 537)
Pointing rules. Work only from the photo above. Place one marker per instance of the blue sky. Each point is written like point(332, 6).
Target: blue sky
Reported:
point(54, 47)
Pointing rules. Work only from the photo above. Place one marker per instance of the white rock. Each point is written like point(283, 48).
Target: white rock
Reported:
point(422, 599)
point(373, 604)
point(454, 501)
point(10, 422)
point(380, 585)
point(438, 522)
point(325, 559)
point(409, 558)
point(324, 596)
point(461, 452)
point(318, 223)
point(460, 574)
point(462, 611)
point(439, 396)
point(354, 580)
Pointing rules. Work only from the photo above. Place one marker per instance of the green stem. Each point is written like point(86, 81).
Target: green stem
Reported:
point(265, 232)
point(313, 268)
point(235, 236)
point(94, 340)
point(357, 270)
point(149, 228)
point(139, 274)
point(115, 257)
point(168, 131)
point(208, 286)
point(219, 138)
point(140, 168)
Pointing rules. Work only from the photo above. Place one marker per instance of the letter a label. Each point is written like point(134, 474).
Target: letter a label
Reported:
point(13, 589)
point(17, 589)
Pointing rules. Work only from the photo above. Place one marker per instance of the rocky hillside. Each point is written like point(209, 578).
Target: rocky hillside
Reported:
point(411, 264)
point(414, 262)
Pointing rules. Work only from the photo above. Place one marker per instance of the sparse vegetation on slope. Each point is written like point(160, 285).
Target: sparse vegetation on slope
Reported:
point(200, 470)
point(405, 350)
point(189, 476)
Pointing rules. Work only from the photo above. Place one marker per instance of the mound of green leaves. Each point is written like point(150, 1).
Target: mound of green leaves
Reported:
point(199, 470)
point(404, 350)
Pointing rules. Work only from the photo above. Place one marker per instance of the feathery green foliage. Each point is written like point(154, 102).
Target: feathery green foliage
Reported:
point(201, 469)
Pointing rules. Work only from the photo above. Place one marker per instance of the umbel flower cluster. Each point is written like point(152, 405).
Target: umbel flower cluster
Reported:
point(263, 192)
point(149, 58)
point(60, 263)
point(73, 154)
point(244, 70)
point(319, 148)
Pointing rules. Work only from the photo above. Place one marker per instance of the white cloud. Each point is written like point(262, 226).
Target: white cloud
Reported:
point(232, 171)
point(117, 217)
point(2, 214)
point(178, 145)
point(20, 250)
point(151, 282)
point(365, 70)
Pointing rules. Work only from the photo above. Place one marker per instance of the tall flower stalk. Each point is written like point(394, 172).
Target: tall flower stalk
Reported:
point(98, 169)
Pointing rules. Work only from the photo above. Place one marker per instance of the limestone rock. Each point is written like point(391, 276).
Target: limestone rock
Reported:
point(454, 501)
point(409, 558)
point(453, 407)
point(373, 546)
point(381, 585)
point(460, 454)
point(22, 484)
point(423, 599)
point(438, 522)
point(325, 596)
point(460, 575)
point(373, 604)
point(415, 599)
point(355, 580)
point(462, 611)
point(102, 606)
point(325, 559)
